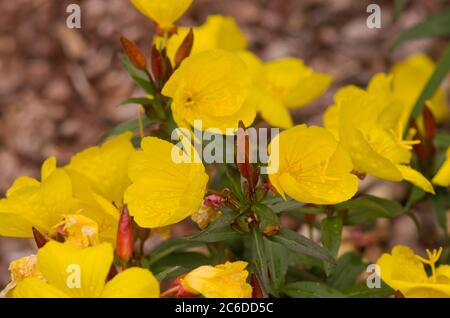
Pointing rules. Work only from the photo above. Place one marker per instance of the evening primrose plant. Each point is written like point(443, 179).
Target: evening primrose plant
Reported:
point(92, 218)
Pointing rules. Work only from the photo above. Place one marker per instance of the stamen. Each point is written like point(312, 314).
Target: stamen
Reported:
point(433, 257)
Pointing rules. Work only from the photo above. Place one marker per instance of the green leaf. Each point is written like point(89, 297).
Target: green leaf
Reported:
point(294, 206)
point(439, 204)
point(440, 72)
point(311, 290)
point(171, 272)
point(436, 25)
point(277, 259)
point(219, 230)
point(442, 140)
point(131, 125)
point(259, 260)
point(189, 260)
point(362, 291)
point(331, 229)
point(168, 247)
point(367, 208)
point(138, 101)
point(347, 270)
point(140, 77)
point(415, 196)
point(300, 244)
point(265, 213)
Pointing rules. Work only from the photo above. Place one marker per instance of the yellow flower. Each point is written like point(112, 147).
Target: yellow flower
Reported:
point(281, 85)
point(30, 203)
point(99, 178)
point(442, 177)
point(73, 272)
point(163, 192)
point(409, 79)
point(211, 86)
point(164, 12)
point(218, 32)
point(312, 166)
point(370, 125)
point(227, 280)
point(402, 270)
point(20, 269)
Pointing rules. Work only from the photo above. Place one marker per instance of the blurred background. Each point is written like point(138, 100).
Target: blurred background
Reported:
point(60, 87)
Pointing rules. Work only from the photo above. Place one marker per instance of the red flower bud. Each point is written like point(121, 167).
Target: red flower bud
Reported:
point(185, 48)
point(39, 238)
point(213, 201)
point(429, 123)
point(134, 54)
point(244, 153)
point(125, 244)
point(157, 62)
point(257, 291)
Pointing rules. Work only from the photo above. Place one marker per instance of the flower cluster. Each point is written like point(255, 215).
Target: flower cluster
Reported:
point(110, 198)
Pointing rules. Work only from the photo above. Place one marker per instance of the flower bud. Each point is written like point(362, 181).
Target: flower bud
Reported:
point(257, 291)
point(157, 63)
point(185, 48)
point(244, 153)
point(271, 230)
point(39, 238)
point(124, 248)
point(134, 54)
point(429, 123)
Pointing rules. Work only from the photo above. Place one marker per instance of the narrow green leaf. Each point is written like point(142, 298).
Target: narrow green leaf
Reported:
point(138, 101)
point(171, 272)
point(300, 244)
point(259, 260)
point(442, 140)
point(331, 229)
point(362, 291)
point(217, 231)
point(440, 72)
point(168, 247)
point(436, 25)
point(367, 208)
point(131, 125)
point(277, 259)
point(439, 204)
point(349, 267)
point(311, 290)
point(137, 75)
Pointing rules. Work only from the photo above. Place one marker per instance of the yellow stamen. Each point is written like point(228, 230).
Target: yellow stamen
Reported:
point(433, 257)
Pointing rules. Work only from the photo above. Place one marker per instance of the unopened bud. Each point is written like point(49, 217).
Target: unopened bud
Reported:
point(429, 123)
point(243, 153)
point(124, 248)
point(157, 62)
point(134, 54)
point(185, 48)
point(39, 238)
point(257, 291)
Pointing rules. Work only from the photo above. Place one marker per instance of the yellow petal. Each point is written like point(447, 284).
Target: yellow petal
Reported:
point(416, 178)
point(216, 98)
point(36, 288)
point(222, 281)
point(102, 169)
point(163, 192)
point(132, 283)
point(39, 206)
point(48, 167)
point(312, 172)
point(76, 272)
point(442, 177)
point(163, 12)
point(22, 183)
